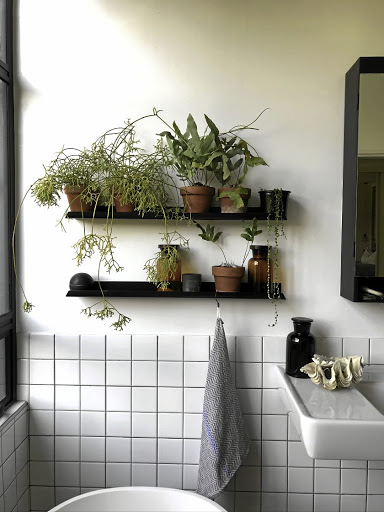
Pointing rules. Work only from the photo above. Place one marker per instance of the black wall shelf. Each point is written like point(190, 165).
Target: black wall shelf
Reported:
point(213, 214)
point(145, 289)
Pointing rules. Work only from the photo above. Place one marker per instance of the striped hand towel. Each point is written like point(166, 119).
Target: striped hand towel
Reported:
point(224, 440)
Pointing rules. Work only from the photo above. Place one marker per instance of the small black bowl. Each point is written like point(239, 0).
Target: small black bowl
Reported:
point(81, 281)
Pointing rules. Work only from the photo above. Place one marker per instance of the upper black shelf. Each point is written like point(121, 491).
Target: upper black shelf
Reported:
point(145, 289)
point(213, 214)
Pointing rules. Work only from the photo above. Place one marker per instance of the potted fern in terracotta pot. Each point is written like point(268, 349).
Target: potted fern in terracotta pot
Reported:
point(228, 275)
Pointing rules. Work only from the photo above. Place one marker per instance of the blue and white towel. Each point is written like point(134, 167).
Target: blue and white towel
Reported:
point(224, 440)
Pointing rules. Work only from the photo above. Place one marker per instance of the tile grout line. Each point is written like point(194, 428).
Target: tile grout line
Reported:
point(182, 409)
point(54, 419)
point(157, 412)
point(131, 442)
point(80, 418)
point(261, 429)
point(105, 411)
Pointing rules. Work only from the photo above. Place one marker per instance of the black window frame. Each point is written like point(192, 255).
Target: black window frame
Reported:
point(8, 320)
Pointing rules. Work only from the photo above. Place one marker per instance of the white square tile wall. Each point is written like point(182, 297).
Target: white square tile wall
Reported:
point(14, 459)
point(126, 410)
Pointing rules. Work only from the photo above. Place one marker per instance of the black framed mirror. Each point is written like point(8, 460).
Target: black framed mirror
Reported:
point(362, 250)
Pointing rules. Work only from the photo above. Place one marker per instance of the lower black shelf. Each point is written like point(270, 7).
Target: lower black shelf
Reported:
point(144, 289)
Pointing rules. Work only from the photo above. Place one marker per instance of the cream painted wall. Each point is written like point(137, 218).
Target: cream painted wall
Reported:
point(371, 114)
point(86, 65)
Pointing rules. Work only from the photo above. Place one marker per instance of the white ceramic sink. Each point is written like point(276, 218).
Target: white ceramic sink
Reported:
point(347, 423)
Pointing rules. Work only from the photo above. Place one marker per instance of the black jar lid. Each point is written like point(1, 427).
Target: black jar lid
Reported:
point(301, 320)
point(261, 249)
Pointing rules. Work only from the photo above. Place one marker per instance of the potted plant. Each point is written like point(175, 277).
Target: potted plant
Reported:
point(195, 161)
point(228, 275)
point(274, 203)
point(274, 200)
point(70, 173)
point(235, 157)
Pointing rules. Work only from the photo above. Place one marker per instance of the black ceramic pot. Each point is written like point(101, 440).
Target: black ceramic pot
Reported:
point(81, 281)
point(268, 201)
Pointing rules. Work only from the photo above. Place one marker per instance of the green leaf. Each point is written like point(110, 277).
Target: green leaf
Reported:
point(229, 143)
point(255, 160)
point(177, 131)
point(192, 128)
point(226, 171)
point(166, 134)
point(212, 125)
point(247, 237)
point(206, 143)
point(237, 164)
point(235, 196)
point(217, 236)
point(199, 226)
point(214, 155)
point(242, 177)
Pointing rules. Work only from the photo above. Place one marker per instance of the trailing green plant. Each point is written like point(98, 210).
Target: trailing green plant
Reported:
point(114, 165)
point(250, 231)
point(275, 229)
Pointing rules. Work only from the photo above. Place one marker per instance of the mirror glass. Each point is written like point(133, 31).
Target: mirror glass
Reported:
point(369, 250)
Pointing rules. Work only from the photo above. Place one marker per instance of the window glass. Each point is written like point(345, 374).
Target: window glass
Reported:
point(3, 45)
point(4, 214)
point(2, 369)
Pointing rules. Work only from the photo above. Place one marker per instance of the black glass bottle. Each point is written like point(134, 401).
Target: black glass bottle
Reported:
point(301, 345)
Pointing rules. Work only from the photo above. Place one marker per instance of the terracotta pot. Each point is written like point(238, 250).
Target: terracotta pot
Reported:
point(76, 204)
point(228, 279)
point(123, 207)
point(228, 206)
point(197, 199)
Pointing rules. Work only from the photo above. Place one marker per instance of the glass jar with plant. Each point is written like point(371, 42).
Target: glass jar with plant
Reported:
point(228, 275)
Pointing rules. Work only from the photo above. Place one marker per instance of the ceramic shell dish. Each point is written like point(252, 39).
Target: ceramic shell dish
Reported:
point(333, 372)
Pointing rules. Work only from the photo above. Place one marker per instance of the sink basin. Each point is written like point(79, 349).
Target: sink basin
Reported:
point(347, 423)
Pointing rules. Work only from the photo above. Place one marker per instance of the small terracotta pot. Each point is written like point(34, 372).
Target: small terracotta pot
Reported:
point(228, 279)
point(123, 207)
point(76, 204)
point(197, 199)
point(228, 206)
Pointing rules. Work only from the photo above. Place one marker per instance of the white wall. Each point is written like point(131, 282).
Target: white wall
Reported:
point(85, 66)
point(371, 114)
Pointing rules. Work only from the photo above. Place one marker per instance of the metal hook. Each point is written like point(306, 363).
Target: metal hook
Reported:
point(217, 306)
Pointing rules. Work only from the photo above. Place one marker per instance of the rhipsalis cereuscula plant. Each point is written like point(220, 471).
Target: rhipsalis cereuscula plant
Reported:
point(115, 164)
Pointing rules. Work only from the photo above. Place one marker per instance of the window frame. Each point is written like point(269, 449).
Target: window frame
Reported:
point(8, 320)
